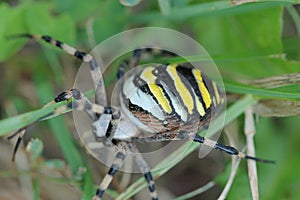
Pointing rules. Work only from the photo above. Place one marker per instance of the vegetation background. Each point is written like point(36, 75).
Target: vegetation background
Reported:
point(248, 41)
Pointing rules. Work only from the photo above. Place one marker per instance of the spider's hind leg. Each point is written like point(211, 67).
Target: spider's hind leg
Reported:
point(143, 166)
point(202, 140)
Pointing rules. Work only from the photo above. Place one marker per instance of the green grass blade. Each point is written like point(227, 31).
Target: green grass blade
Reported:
point(244, 89)
point(36, 189)
point(57, 125)
point(13, 123)
point(197, 191)
point(66, 143)
point(88, 186)
point(62, 134)
point(211, 8)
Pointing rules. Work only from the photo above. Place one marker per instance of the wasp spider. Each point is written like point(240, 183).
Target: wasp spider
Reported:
point(185, 100)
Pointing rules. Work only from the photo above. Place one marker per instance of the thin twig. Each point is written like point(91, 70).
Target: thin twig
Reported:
point(235, 162)
point(197, 191)
point(234, 167)
point(276, 81)
point(90, 32)
point(252, 170)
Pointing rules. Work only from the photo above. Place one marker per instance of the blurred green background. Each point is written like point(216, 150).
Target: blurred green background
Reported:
point(248, 42)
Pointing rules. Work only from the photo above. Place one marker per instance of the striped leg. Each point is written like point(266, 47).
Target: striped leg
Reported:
point(95, 111)
point(197, 138)
point(137, 53)
point(145, 170)
point(81, 102)
point(121, 154)
point(88, 58)
point(135, 58)
point(132, 63)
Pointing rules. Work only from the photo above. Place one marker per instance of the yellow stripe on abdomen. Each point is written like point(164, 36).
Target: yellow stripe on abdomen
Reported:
point(204, 91)
point(200, 108)
point(181, 88)
point(157, 91)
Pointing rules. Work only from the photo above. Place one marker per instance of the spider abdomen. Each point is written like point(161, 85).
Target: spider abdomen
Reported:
point(165, 97)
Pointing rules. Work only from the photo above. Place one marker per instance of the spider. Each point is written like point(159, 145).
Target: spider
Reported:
point(185, 101)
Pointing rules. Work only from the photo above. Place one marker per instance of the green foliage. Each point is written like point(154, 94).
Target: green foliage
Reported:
point(31, 18)
point(245, 41)
point(236, 36)
point(77, 10)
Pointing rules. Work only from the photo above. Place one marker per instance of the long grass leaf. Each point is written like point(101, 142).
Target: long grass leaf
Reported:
point(244, 89)
point(57, 126)
point(13, 123)
point(212, 8)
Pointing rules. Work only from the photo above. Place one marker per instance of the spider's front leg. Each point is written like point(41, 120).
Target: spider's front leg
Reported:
point(80, 102)
point(95, 69)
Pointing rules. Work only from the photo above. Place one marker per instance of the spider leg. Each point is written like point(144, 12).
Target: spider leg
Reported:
point(20, 134)
point(95, 69)
point(81, 102)
point(144, 169)
point(197, 138)
point(227, 149)
point(121, 69)
point(132, 63)
point(117, 163)
point(137, 53)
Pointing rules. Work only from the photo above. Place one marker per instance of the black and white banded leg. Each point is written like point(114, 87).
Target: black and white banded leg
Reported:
point(95, 69)
point(117, 163)
point(133, 62)
point(143, 166)
point(197, 138)
point(153, 51)
point(81, 102)
point(137, 53)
